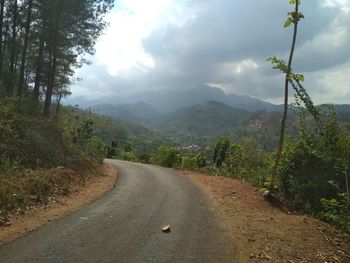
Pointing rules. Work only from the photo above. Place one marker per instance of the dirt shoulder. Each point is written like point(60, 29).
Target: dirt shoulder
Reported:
point(270, 233)
point(59, 206)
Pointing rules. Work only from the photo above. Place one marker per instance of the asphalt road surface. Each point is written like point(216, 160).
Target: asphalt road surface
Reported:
point(125, 225)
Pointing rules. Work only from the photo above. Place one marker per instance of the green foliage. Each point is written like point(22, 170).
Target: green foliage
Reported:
point(9, 119)
point(201, 160)
point(11, 198)
point(235, 158)
point(336, 212)
point(96, 148)
point(314, 169)
point(39, 187)
point(83, 133)
point(166, 156)
point(189, 162)
point(128, 156)
point(306, 174)
point(207, 119)
point(112, 150)
point(28, 140)
point(221, 151)
point(245, 161)
point(127, 153)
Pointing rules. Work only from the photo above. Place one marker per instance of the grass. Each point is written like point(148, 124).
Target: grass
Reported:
point(20, 190)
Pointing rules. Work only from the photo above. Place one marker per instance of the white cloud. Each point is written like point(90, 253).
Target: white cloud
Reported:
point(120, 48)
point(169, 43)
point(343, 4)
point(331, 85)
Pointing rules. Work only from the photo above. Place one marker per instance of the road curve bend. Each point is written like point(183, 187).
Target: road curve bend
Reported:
point(125, 225)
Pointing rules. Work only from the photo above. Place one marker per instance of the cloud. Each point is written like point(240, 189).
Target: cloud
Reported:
point(167, 43)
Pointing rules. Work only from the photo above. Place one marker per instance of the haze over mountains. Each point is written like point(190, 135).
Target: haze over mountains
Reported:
point(201, 113)
point(169, 100)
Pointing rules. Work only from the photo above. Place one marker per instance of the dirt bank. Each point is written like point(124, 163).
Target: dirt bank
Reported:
point(266, 232)
point(58, 206)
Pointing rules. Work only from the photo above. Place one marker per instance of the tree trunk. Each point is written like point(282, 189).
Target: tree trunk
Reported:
point(4, 44)
point(39, 67)
point(51, 83)
point(59, 99)
point(10, 83)
point(25, 48)
point(48, 91)
point(52, 68)
point(2, 6)
point(285, 111)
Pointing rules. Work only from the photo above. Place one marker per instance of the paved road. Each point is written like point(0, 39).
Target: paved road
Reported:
point(125, 225)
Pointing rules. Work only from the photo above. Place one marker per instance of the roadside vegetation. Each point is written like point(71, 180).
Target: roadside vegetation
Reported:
point(44, 152)
point(44, 158)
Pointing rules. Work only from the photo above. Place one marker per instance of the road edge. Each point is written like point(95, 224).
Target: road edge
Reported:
point(94, 189)
point(223, 214)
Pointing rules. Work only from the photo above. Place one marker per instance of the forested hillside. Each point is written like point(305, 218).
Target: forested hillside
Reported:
point(42, 43)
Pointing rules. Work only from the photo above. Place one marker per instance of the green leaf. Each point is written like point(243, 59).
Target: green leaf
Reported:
point(301, 77)
point(292, 2)
point(288, 22)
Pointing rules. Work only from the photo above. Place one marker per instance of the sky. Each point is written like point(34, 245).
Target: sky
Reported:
point(160, 44)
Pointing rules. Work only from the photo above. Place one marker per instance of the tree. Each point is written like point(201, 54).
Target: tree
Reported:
point(2, 9)
point(11, 76)
point(294, 18)
point(221, 151)
point(75, 27)
point(235, 158)
point(25, 49)
point(43, 41)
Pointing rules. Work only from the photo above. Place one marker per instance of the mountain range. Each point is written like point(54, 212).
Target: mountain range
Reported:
point(169, 100)
point(191, 116)
point(207, 119)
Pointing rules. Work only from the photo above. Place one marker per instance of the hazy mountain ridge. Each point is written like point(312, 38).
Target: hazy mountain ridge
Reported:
point(204, 122)
point(138, 112)
point(169, 100)
point(204, 113)
point(207, 119)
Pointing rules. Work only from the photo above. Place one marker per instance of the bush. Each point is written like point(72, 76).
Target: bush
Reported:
point(313, 173)
point(234, 160)
point(248, 162)
point(336, 212)
point(201, 159)
point(305, 178)
point(11, 198)
point(166, 156)
point(189, 162)
point(39, 187)
point(127, 156)
point(95, 148)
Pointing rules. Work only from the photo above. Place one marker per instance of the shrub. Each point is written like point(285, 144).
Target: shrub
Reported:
point(201, 160)
point(96, 148)
point(305, 178)
point(166, 156)
point(189, 162)
point(39, 187)
point(235, 158)
point(127, 156)
point(313, 173)
point(336, 212)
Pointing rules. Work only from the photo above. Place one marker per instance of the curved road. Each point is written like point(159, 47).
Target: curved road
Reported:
point(125, 225)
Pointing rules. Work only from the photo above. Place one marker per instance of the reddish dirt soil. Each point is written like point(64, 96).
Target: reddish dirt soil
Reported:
point(58, 207)
point(267, 231)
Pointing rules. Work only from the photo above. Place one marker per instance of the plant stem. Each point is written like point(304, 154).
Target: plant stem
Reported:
point(286, 93)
